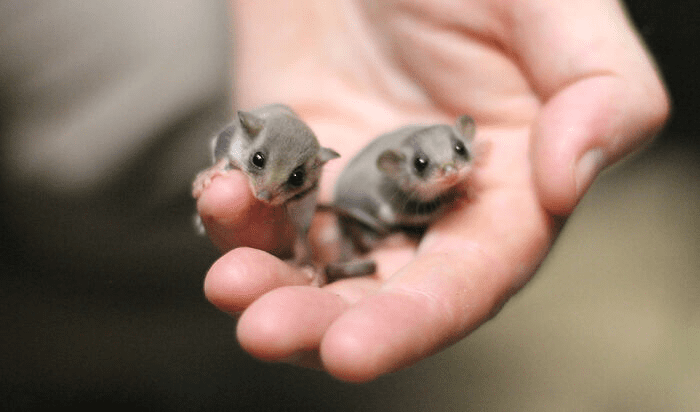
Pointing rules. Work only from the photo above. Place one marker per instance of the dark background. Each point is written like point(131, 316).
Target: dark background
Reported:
point(77, 330)
point(671, 31)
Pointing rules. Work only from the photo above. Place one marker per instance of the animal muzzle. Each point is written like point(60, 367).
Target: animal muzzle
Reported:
point(271, 196)
point(446, 172)
point(264, 195)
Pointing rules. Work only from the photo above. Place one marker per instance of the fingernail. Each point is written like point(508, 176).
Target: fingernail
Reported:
point(587, 169)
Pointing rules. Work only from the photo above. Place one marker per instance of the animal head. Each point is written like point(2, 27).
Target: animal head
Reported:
point(431, 160)
point(280, 154)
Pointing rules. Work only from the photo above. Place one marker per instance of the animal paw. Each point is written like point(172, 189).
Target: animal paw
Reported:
point(204, 178)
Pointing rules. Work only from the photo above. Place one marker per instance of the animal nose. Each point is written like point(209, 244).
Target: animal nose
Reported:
point(448, 169)
point(264, 195)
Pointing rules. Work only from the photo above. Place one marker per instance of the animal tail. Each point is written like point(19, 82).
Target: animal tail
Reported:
point(353, 268)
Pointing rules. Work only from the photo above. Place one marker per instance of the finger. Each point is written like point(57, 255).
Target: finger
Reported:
point(467, 267)
point(602, 95)
point(242, 275)
point(288, 323)
point(233, 217)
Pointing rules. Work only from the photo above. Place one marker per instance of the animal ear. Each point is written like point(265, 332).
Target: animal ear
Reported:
point(221, 143)
point(325, 154)
point(252, 124)
point(466, 127)
point(390, 161)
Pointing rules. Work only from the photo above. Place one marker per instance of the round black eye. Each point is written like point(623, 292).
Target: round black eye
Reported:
point(297, 177)
point(258, 160)
point(420, 163)
point(460, 149)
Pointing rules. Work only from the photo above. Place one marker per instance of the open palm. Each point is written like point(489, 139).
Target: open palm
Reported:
point(558, 89)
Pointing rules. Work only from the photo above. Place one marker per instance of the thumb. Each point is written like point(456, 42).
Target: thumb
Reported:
point(588, 125)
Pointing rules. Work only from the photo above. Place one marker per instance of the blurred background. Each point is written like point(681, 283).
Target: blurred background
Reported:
point(105, 109)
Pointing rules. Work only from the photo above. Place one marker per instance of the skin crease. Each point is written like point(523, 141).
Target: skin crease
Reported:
point(547, 82)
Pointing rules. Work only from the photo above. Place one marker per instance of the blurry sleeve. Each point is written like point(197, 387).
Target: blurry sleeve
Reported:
point(106, 109)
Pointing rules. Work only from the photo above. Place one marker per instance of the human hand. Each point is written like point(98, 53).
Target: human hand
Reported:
point(558, 89)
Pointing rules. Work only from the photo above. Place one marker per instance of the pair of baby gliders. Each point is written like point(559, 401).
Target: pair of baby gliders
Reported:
point(401, 180)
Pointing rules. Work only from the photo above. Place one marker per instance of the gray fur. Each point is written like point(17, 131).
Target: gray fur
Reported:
point(381, 189)
point(289, 149)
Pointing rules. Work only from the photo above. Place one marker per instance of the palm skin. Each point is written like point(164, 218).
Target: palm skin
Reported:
point(558, 89)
